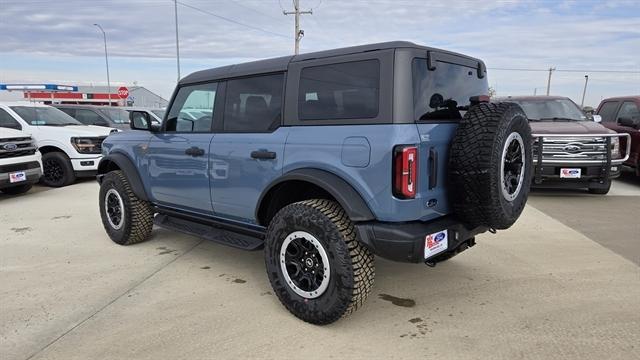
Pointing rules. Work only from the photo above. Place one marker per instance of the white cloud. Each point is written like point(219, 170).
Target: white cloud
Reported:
point(522, 34)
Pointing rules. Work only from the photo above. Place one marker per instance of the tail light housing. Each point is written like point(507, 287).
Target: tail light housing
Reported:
point(405, 171)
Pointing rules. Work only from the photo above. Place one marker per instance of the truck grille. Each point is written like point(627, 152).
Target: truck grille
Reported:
point(14, 147)
point(571, 149)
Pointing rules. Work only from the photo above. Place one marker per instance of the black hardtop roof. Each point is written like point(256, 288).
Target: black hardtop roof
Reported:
point(281, 63)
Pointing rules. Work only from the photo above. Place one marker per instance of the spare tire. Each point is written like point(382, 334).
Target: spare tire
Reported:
point(490, 165)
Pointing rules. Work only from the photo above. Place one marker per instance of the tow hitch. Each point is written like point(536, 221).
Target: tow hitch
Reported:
point(431, 262)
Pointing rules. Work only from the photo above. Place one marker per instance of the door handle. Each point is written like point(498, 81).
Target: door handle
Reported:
point(194, 151)
point(263, 155)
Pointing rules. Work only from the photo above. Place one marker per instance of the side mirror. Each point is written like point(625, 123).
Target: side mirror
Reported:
point(628, 121)
point(597, 118)
point(140, 120)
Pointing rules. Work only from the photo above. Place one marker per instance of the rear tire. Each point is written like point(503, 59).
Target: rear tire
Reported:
point(127, 219)
point(490, 165)
point(57, 170)
point(17, 190)
point(601, 190)
point(317, 234)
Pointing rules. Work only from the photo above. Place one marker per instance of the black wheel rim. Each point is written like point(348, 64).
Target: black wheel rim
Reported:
point(114, 209)
point(53, 171)
point(513, 163)
point(304, 264)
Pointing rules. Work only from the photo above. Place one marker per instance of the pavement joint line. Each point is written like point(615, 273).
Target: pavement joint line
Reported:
point(113, 301)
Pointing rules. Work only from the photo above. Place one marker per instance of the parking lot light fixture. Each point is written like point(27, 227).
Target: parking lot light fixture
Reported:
point(106, 60)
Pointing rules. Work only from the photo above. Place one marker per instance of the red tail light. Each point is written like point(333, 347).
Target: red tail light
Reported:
point(405, 171)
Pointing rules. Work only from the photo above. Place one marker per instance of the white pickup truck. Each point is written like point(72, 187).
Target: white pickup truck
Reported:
point(20, 164)
point(69, 148)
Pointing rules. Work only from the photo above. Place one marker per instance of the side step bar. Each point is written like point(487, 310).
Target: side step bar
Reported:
point(208, 232)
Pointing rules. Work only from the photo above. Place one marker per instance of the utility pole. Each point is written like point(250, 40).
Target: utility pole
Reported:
point(584, 92)
point(551, 70)
point(106, 60)
point(298, 33)
point(175, 7)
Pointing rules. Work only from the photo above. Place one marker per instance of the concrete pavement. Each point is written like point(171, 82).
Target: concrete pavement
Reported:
point(540, 290)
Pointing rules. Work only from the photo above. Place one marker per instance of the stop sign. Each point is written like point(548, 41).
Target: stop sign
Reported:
point(123, 92)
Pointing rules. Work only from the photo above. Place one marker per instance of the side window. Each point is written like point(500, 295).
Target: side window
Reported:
point(7, 121)
point(192, 109)
point(628, 110)
point(88, 117)
point(340, 91)
point(608, 111)
point(253, 104)
point(443, 93)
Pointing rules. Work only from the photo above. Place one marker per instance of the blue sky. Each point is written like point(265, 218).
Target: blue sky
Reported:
point(43, 43)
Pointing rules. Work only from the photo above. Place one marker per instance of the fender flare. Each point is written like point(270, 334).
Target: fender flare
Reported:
point(350, 200)
point(128, 168)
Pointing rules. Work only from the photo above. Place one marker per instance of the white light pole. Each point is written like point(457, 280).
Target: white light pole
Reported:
point(106, 60)
point(584, 92)
point(175, 8)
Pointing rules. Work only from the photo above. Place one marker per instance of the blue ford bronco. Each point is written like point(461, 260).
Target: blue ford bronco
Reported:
point(325, 160)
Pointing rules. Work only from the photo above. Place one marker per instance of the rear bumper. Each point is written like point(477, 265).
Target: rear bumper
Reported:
point(405, 242)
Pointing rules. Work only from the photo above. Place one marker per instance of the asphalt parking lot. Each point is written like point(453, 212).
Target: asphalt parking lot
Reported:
point(563, 283)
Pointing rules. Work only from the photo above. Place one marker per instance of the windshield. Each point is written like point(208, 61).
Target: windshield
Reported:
point(45, 116)
point(118, 116)
point(550, 109)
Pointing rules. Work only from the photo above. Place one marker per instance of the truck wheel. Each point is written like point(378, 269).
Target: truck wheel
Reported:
point(602, 189)
point(17, 190)
point(57, 170)
point(316, 265)
point(490, 165)
point(127, 219)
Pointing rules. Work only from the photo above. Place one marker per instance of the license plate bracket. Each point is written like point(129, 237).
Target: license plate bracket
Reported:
point(570, 173)
point(436, 243)
point(18, 176)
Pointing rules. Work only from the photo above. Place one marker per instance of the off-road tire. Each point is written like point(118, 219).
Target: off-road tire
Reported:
point(61, 162)
point(17, 190)
point(138, 214)
point(601, 190)
point(475, 160)
point(352, 269)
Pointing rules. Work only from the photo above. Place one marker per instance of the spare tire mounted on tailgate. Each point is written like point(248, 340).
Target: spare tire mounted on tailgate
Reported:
point(490, 165)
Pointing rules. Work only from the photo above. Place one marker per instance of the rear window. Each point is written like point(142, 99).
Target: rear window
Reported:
point(443, 93)
point(340, 91)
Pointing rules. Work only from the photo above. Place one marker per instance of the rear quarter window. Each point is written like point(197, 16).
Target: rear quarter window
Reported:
point(349, 90)
point(443, 93)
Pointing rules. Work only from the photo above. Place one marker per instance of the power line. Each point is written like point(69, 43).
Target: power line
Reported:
point(231, 20)
point(570, 70)
point(238, 3)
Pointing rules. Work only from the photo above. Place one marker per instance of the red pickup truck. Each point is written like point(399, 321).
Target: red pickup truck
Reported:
point(622, 114)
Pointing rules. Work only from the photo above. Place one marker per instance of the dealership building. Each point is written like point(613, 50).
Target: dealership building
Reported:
point(92, 95)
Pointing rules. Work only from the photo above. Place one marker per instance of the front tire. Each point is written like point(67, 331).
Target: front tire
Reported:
point(316, 265)
point(127, 219)
point(58, 171)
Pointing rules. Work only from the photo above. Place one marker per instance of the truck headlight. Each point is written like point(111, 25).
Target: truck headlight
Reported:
point(615, 148)
point(87, 145)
